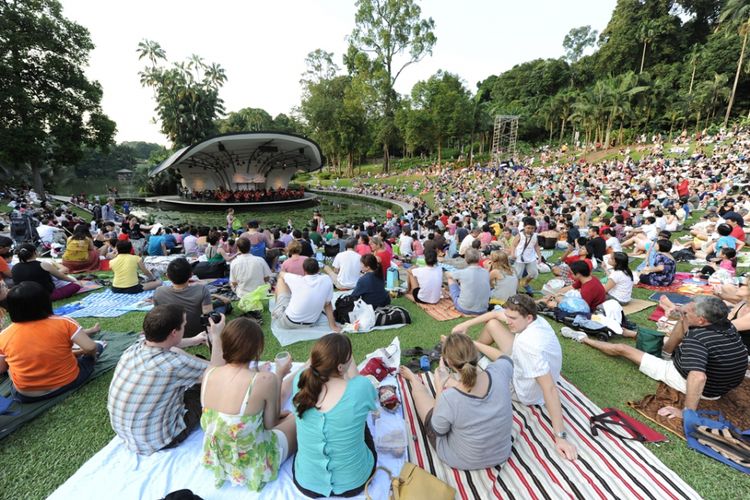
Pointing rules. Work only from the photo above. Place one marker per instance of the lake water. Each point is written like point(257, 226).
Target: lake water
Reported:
point(334, 209)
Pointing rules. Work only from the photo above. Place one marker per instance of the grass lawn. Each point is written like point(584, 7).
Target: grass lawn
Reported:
point(41, 455)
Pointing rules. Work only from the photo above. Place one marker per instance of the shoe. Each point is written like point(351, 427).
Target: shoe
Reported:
point(569, 333)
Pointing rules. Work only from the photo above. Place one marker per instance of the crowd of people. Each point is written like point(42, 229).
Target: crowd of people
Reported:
point(488, 236)
point(246, 195)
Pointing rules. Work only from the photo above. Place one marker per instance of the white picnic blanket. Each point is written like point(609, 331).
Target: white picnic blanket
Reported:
point(116, 472)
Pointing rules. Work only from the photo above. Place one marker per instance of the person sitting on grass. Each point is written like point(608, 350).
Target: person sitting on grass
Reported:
point(80, 254)
point(662, 272)
point(247, 435)
point(469, 421)
point(531, 343)
point(51, 277)
point(426, 283)
point(125, 268)
point(247, 272)
point(708, 359)
point(346, 267)
point(301, 299)
point(470, 287)
point(37, 349)
point(336, 454)
point(591, 289)
point(503, 279)
point(154, 398)
point(370, 286)
point(619, 284)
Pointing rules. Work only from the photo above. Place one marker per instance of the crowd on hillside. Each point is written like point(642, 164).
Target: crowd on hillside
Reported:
point(482, 245)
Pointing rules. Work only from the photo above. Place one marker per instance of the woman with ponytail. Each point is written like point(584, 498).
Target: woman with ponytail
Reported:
point(371, 286)
point(470, 419)
point(336, 454)
point(53, 279)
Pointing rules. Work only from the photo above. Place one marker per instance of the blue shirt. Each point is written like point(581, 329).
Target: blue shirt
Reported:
point(154, 245)
point(725, 241)
point(371, 288)
point(170, 241)
point(332, 457)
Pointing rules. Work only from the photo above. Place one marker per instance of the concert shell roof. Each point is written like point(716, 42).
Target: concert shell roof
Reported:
point(247, 160)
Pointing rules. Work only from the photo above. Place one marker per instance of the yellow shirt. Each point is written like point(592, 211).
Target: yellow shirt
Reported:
point(125, 267)
point(77, 250)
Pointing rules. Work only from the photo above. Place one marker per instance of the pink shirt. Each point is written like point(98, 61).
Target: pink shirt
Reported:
point(294, 265)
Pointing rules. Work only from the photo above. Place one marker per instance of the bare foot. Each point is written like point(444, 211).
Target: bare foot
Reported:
point(94, 329)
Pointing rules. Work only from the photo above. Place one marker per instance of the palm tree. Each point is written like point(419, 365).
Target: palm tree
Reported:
point(737, 13)
point(693, 57)
point(646, 34)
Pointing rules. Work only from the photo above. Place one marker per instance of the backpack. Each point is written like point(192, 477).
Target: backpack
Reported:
point(344, 305)
point(206, 270)
point(392, 315)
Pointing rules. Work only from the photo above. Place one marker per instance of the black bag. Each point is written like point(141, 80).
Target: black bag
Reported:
point(331, 250)
point(683, 255)
point(206, 270)
point(392, 315)
point(344, 305)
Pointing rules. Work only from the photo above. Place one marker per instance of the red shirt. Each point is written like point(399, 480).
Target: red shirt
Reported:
point(385, 260)
point(738, 233)
point(592, 292)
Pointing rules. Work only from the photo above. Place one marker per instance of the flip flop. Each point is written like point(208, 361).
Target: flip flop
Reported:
point(414, 352)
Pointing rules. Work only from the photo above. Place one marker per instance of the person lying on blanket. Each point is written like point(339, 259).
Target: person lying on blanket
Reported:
point(537, 358)
point(708, 360)
point(154, 397)
point(301, 299)
point(469, 421)
point(247, 436)
point(336, 453)
point(37, 348)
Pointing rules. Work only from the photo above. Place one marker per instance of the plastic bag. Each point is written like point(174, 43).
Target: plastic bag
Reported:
point(253, 301)
point(362, 318)
point(553, 286)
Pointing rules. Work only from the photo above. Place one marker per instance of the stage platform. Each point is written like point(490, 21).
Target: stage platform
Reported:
point(184, 203)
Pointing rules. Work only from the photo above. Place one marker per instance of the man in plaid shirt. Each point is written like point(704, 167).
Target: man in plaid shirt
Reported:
point(154, 397)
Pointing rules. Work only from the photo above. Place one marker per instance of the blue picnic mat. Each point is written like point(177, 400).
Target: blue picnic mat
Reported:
point(677, 298)
point(107, 305)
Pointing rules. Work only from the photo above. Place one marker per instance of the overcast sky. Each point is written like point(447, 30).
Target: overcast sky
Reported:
point(263, 45)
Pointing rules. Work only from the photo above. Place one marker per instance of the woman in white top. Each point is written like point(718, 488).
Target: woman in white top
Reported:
point(613, 244)
point(619, 284)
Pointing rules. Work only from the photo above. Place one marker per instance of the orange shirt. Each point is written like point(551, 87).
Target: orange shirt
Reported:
point(39, 353)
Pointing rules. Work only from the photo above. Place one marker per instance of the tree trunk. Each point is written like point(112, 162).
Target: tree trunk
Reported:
point(562, 129)
point(350, 164)
point(386, 159)
point(440, 152)
point(692, 79)
point(643, 57)
point(36, 174)
point(736, 79)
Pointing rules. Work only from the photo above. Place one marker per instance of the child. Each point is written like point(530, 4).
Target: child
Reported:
point(728, 260)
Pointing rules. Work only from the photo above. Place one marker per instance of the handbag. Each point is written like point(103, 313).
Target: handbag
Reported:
point(414, 483)
point(650, 341)
point(634, 430)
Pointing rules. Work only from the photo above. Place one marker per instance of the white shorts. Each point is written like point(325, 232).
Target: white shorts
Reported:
point(283, 445)
point(663, 371)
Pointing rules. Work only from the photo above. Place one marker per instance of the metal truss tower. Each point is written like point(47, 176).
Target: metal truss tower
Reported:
point(504, 138)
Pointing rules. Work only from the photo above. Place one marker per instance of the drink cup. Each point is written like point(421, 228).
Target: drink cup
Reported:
point(282, 357)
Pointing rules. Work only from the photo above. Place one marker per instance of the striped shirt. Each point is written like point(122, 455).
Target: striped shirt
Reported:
point(145, 403)
point(716, 350)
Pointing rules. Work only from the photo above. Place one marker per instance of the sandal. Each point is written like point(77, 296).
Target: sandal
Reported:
point(414, 352)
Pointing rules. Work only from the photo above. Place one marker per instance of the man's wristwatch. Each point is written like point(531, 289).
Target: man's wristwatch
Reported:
point(562, 435)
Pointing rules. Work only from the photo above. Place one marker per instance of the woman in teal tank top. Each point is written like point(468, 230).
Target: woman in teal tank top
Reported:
point(336, 454)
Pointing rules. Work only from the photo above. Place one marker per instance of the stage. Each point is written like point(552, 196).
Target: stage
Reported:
point(188, 204)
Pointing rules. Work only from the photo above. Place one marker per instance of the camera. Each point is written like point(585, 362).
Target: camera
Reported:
point(216, 317)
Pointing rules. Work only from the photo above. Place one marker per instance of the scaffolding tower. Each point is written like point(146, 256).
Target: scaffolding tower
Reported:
point(504, 138)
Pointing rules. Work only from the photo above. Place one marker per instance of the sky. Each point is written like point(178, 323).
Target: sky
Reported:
point(262, 45)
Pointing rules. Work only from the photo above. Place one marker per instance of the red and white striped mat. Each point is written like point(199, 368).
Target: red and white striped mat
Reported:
point(607, 467)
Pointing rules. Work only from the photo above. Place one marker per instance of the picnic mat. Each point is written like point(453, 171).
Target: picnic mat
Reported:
point(444, 310)
point(676, 284)
point(733, 405)
point(88, 286)
point(116, 345)
point(116, 472)
point(107, 304)
point(676, 298)
point(636, 305)
point(607, 467)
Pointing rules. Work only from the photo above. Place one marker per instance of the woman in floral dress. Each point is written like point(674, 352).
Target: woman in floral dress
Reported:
point(247, 436)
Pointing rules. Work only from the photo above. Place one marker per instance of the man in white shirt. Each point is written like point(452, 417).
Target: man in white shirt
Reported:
point(301, 299)
point(346, 267)
point(406, 245)
point(537, 358)
point(468, 240)
point(426, 283)
point(247, 272)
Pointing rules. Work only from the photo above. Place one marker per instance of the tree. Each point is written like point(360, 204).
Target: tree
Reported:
point(49, 110)
point(736, 13)
point(245, 120)
point(646, 34)
point(577, 41)
point(187, 94)
point(693, 57)
point(442, 109)
point(387, 29)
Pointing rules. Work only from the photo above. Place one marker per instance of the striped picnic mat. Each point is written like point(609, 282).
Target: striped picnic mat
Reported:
point(444, 310)
point(607, 467)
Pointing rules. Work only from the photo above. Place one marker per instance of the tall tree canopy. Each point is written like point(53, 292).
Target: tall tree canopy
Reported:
point(186, 93)
point(388, 36)
point(49, 110)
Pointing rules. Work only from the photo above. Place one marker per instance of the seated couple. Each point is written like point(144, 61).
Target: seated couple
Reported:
point(301, 299)
point(45, 355)
point(708, 357)
point(156, 398)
